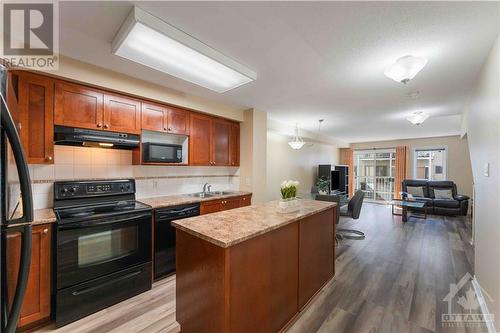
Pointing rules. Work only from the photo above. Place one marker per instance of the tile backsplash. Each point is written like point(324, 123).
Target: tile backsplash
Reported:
point(77, 163)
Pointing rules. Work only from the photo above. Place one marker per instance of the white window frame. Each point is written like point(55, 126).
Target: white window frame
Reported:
point(445, 159)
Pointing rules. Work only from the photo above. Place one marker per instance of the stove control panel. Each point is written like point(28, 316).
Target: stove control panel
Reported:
point(86, 189)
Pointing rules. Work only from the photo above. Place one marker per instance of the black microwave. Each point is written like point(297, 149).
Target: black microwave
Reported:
point(161, 152)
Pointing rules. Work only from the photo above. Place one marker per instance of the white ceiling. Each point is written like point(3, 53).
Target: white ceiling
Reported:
point(317, 60)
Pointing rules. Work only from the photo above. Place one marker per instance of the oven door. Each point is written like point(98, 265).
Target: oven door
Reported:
point(90, 249)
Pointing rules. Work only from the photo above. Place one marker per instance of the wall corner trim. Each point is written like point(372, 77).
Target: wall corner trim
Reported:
point(482, 303)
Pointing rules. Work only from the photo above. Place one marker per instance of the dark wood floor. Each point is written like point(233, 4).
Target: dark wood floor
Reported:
point(393, 281)
point(396, 279)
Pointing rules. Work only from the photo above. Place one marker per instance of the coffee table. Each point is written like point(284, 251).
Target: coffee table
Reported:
point(404, 204)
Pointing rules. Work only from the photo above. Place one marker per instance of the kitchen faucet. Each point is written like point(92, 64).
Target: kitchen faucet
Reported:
point(205, 187)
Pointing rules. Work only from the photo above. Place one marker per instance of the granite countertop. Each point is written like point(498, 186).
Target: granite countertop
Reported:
point(234, 226)
point(182, 199)
point(41, 216)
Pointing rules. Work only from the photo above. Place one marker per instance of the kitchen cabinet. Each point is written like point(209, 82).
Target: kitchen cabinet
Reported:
point(245, 200)
point(84, 107)
point(234, 144)
point(177, 121)
point(78, 106)
point(221, 133)
point(37, 303)
point(200, 140)
point(156, 117)
point(210, 141)
point(122, 114)
point(218, 205)
point(30, 98)
point(36, 117)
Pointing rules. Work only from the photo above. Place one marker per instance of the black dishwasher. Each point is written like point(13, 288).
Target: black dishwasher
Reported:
point(164, 256)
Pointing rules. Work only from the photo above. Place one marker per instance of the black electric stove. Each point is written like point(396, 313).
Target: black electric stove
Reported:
point(103, 246)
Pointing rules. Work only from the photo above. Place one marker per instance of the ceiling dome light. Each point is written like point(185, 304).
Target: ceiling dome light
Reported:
point(405, 68)
point(417, 118)
point(297, 141)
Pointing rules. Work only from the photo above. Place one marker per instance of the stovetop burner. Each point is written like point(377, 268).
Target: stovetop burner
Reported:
point(88, 200)
point(100, 209)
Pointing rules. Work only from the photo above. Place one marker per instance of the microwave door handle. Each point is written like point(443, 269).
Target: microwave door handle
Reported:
point(105, 222)
point(21, 164)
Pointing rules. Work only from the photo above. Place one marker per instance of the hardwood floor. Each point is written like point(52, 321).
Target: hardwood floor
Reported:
point(393, 281)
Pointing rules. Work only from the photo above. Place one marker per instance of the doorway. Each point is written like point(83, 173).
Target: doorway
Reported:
point(374, 172)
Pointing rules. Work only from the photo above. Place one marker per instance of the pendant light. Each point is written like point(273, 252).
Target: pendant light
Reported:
point(297, 141)
point(417, 118)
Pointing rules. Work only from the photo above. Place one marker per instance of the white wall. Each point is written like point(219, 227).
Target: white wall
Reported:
point(284, 163)
point(482, 125)
point(253, 154)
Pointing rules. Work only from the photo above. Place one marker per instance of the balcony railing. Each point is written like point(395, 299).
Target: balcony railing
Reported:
point(376, 188)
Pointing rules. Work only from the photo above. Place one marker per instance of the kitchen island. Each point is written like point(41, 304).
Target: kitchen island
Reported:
point(252, 269)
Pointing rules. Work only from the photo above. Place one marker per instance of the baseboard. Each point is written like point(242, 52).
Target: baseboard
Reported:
point(482, 303)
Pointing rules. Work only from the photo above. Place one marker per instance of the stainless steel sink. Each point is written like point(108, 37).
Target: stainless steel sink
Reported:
point(215, 193)
point(201, 195)
point(210, 194)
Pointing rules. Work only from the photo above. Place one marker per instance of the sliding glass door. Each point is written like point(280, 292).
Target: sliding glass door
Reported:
point(374, 173)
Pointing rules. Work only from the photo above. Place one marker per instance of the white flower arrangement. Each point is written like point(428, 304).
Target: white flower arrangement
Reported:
point(289, 189)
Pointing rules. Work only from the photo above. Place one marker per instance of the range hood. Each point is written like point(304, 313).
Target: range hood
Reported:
point(71, 136)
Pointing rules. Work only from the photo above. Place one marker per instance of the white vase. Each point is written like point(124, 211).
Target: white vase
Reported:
point(289, 205)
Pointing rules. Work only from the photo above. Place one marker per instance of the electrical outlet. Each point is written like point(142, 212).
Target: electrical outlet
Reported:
point(486, 169)
point(248, 181)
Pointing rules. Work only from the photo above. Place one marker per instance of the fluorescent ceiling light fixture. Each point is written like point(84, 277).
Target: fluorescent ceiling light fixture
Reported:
point(297, 141)
point(405, 68)
point(417, 118)
point(146, 39)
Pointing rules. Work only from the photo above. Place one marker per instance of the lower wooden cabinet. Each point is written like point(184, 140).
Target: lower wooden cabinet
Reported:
point(37, 305)
point(218, 205)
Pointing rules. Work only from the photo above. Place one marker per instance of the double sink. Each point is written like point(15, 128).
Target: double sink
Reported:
point(210, 194)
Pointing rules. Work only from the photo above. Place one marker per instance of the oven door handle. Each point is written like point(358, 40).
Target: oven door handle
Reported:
point(93, 288)
point(81, 225)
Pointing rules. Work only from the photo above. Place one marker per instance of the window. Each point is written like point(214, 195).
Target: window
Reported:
point(429, 163)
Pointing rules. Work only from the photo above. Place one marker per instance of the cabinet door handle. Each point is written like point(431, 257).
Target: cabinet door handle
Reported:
point(164, 128)
point(45, 231)
point(48, 158)
point(99, 125)
point(106, 126)
point(169, 128)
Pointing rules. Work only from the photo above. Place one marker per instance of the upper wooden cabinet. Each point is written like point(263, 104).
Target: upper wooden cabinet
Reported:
point(235, 144)
point(177, 121)
point(31, 101)
point(200, 140)
point(154, 117)
point(37, 304)
point(122, 114)
point(78, 106)
point(167, 119)
point(213, 141)
point(221, 136)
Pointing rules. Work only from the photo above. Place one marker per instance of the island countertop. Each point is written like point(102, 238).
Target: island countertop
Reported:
point(234, 226)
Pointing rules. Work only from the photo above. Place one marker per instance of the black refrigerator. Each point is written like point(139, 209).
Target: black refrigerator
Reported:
point(16, 206)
